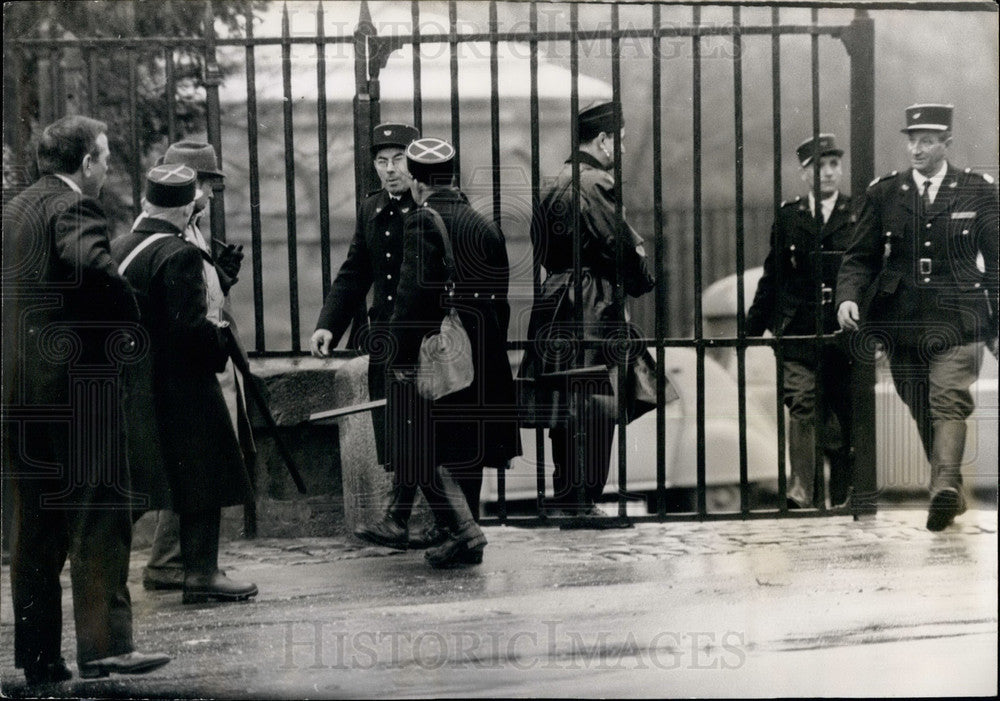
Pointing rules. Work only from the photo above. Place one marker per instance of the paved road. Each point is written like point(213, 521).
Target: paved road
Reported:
point(755, 608)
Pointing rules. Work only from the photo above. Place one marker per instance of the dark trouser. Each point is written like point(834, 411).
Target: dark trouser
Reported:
point(828, 424)
point(599, 431)
point(97, 541)
point(199, 539)
point(934, 385)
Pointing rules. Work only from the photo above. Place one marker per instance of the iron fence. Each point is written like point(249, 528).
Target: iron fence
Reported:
point(692, 243)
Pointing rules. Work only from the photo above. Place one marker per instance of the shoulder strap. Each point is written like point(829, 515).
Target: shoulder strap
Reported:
point(139, 249)
point(449, 255)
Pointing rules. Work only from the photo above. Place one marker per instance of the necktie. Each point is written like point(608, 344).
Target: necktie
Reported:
point(925, 196)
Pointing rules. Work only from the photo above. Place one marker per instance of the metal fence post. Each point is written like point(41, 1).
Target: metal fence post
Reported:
point(859, 39)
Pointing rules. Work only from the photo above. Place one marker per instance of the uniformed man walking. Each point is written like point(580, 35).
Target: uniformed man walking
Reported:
point(373, 261)
point(801, 267)
point(911, 274)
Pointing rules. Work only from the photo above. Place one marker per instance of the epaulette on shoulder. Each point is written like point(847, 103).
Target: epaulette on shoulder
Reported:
point(985, 176)
point(893, 174)
point(788, 203)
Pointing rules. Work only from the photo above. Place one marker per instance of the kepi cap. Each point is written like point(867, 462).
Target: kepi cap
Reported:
point(170, 185)
point(393, 134)
point(930, 117)
point(197, 155)
point(431, 160)
point(822, 145)
point(595, 118)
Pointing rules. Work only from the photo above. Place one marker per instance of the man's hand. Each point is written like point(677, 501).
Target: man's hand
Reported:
point(993, 344)
point(319, 344)
point(229, 259)
point(848, 315)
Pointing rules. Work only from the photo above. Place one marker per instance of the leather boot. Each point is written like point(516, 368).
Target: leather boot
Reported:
point(841, 476)
point(466, 540)
point(947, 500)
point(802, 456)
point(203, 581)
point(391, 530)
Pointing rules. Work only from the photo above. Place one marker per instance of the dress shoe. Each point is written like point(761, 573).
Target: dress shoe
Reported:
point(129, 663)
point(457, 550)
point(199, 588)
point(163, 578)
point(385, 532)
point(47, 672)
point(944, 508)
point(430, 538)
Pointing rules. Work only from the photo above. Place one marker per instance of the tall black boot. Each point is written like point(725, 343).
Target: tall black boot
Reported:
point(802, 456)
point(203, 581)
point(466, 540)
point(391, 530)
point(947, 500)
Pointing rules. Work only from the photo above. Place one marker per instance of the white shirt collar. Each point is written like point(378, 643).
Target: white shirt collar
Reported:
point(70, 182)
point(826, 204)
point(935, 180)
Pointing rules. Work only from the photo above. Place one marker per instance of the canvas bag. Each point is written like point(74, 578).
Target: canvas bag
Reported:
point(444, 364)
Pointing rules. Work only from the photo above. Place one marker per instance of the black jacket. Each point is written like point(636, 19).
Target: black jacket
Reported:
point(915, 273)
point(373, 260)
point(200, 452)
point(802, 263)
point(477, 426)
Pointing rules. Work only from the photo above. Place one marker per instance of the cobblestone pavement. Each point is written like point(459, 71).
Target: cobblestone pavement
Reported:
point(816, 606)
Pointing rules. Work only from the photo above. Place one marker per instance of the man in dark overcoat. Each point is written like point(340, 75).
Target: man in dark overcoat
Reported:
point(922, 274)
point(552, 327)
point(800, 268)
point(69, 323)
point(165, 567)
point(200, 450)
point(436, 444)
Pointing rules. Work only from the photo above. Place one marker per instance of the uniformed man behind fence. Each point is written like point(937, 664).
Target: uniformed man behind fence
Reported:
point(913, 261)
point(802, 264)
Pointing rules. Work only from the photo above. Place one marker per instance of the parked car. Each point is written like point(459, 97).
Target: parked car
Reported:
point(901, 464)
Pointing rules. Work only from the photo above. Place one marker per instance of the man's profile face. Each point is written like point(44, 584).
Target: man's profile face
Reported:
point(96, 168)
point(390, 164)
point(830, 174)
point(207, 194)
point(928, 150)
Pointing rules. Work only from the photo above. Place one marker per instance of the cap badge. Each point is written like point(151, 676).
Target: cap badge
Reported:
point(916, 115)
point(387, 132)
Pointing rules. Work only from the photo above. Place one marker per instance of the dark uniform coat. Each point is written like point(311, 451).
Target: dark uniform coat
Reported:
point(200, 451)
point(554, 312)
point(373, 261)
point(918, 276)
point(477, 426)
point(796, 269)
point(69, 324)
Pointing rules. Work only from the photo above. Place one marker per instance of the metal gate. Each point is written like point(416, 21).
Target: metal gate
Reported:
point(372, 51)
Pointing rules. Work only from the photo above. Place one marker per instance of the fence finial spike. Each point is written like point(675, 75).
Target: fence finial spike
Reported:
point(285, 31)
point(365, 16)
point(319, 19)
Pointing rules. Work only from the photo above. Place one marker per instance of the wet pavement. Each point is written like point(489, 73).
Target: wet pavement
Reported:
point(818, 606)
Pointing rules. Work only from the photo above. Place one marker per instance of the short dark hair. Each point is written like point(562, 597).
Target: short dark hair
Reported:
point(66, 141)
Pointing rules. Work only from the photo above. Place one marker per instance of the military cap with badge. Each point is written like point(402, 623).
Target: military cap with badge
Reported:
point(171, 186)
point(430, 160)
point(821, 145)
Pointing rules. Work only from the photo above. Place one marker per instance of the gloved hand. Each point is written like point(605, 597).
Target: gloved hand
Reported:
point(229, 258)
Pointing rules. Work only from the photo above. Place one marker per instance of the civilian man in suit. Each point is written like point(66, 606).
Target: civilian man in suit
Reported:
point(924, 260)
point(802, 265)
point(69, 323)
